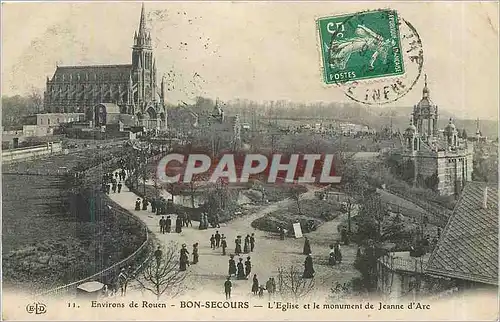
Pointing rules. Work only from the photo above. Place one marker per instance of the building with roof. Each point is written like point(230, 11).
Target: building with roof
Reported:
point(440, 160)
point(102, 91)
point(467, 251)
point(464, 258)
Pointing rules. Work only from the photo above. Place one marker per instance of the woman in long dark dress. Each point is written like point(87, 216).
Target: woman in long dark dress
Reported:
point(145, 204)
point(255, 285)
point(195, 253)
point(331, 257)
point(237, 249)
point(248, 267)
point(232, 266)
point(183, 260)
point(202, 221)
point(307, 247)
point(153, 205)
point(178, 225)
point(241, 270)
point(246, 248)
point(223, 244)
point(168, 224)
point(338, 253)
point(138, 204)
point(308, 267)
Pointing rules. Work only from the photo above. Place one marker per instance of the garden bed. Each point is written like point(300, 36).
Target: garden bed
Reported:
point(313, 213)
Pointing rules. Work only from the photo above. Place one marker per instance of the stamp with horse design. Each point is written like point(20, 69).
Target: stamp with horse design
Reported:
point(364, 45)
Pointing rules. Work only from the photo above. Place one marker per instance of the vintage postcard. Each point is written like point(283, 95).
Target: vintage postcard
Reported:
point(225, 160)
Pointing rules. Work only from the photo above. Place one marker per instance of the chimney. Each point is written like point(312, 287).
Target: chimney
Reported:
point(485, 198)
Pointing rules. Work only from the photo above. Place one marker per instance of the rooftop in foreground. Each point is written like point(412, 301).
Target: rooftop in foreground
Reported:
point(468, 248)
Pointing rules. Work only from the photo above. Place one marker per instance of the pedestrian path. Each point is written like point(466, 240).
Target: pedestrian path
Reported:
point(211, 271)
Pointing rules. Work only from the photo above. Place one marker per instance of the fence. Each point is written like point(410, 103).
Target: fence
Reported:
point(64, 289)
point(392, 262)
point(439, 214)
point(113, 268)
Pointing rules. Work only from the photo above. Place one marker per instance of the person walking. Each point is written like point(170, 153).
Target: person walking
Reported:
point(338, 253)
point(252, 242)
point(232, 265)
point(227, 287)
point(331, 256)
point(178, 225)
point(248, 267)
point(153, 205)
point(269, 287)
point(145, 204)
point(307, 247)
point(119, 186)
point(273, 283)
point(255, 285)
point(183, 260)
point(158, 254)
point(138, 204)
point(237, 249)
point(195, 253)
point(168, 224)
point(246, 248)
point(308, 267)
point(240, 270)
point(217, 239)
point(162, 225)
point(212, 242)
point(223, 244)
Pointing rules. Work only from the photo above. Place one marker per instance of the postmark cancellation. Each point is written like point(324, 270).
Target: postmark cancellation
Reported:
point(374, 56)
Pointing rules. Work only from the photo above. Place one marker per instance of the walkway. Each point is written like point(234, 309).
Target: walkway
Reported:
point(270, 252)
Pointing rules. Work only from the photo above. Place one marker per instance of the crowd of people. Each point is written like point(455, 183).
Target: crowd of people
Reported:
point(113, 182)
point(240, 268)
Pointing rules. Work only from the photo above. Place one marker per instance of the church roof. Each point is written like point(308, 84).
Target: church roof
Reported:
point(93, 72)
point(468, 247)
point(425, 102)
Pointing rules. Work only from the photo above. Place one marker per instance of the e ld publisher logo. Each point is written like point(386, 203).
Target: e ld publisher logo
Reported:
point(36, 308)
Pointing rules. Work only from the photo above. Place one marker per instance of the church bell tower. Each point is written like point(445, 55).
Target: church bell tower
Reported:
point(143, 67)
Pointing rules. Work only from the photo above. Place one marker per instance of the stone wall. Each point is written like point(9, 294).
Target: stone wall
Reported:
point(31, 152)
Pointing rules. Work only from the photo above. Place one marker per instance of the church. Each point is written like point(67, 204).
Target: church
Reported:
point(439, 160)
point(108, 94)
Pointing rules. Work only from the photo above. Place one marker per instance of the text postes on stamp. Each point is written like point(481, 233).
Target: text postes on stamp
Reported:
point(359, 46)
point(376, 57)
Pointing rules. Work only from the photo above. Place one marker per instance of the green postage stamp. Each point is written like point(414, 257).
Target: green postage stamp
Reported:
point(363, 45)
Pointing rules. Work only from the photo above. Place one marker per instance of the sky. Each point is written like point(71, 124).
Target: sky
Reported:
point(250, 50)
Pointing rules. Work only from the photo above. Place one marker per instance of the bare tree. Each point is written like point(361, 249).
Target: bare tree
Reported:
point(342, 291)
point(355, 188)
point(162, 276)
point(295, 193)
point(36, 100)
point(291, 285)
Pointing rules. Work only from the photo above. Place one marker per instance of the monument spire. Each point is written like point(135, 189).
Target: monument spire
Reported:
point(425, 91)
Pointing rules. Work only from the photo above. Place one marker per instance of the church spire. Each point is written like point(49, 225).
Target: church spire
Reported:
point(142, 24)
